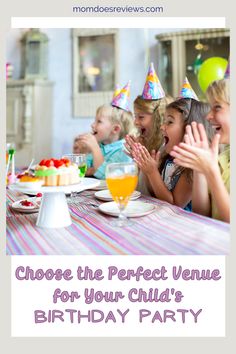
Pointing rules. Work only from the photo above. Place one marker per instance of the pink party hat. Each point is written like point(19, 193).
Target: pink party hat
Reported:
point(117, 91)
point(122, 99)
point(152, 89)
point(227, 71)
point(187, 91)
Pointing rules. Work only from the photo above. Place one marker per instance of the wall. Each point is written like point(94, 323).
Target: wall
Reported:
point(137, 49)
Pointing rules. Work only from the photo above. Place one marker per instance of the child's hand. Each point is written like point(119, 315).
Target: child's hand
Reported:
point(79, 147)
point(146, 162)
point(130, 142)
point(89, 141)
point(196, 136)
point(202, 160)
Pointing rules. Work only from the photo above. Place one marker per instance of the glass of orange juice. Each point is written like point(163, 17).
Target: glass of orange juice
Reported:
point(121, 179)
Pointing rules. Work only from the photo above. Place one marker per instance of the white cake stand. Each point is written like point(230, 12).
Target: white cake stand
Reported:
point(54, 211)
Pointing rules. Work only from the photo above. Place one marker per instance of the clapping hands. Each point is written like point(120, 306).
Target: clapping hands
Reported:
point(147, 162)
point(195, 153)
point(130, 142)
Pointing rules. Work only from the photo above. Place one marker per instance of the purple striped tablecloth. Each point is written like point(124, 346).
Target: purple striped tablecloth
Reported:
point(169, 230)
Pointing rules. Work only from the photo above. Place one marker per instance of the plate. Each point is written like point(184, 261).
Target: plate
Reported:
point(106, 195)
point(134, 209)
point(17, 206)
point(30, 185)
point(102, 185)
point(86, 183)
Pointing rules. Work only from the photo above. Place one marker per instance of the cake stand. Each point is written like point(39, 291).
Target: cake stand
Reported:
point(54, 211)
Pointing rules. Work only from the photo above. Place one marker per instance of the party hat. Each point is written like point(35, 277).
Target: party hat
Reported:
point(227, 71)
point(187, 91)
point(122, 99)
point(117, 91)
point(152, 89)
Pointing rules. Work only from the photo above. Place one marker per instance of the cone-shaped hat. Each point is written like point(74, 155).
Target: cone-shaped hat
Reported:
point(117, 91)
point(152, 89)
point(187, 91)
point(123, 98)
point(227, 71)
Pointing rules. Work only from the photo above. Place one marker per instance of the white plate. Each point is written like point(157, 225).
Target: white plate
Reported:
point(106, 195)
point(86, 183)
point(17, 206)
point(30, 185)
point(133, 209)
point(102, 185)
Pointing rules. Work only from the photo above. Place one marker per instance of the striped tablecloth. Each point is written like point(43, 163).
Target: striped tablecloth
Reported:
point(169, 230)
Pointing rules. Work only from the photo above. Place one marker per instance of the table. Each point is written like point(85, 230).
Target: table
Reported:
point(169, 230)
point(54, 211)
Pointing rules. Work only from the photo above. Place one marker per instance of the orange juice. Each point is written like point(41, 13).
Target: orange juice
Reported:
point(122, 187)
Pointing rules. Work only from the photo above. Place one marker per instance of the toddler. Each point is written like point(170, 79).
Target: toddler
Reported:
point(106, 141)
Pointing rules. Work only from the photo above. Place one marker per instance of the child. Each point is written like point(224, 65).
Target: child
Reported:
point(149, 110)
point(211, 177)
point(106, 142)
point(80, 148)
point(170, 182)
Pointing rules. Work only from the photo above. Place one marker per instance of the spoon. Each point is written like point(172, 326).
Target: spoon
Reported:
point(29, 167)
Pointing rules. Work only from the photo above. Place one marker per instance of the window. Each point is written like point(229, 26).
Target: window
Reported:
point(94, 69)
point(181, 53)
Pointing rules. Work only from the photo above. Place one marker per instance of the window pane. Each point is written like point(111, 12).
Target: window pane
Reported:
point(166, 74)
point(96, 63)
point(211, 47)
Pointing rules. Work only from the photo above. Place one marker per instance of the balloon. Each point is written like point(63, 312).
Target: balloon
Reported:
point(211, 69)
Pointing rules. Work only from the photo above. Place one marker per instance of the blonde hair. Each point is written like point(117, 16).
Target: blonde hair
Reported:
point(118, 116)
point(219, 91)
point(157, 109)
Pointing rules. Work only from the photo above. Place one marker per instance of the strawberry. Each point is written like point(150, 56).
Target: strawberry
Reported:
point(58, 163)
point(42, 162)
point(39, 195)
point(66, 162)
point(26, 203)
point(49, 163)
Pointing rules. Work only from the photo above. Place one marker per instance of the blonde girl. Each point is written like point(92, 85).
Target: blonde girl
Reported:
point(211, 176)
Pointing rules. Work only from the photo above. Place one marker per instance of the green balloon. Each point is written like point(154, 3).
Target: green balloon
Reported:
point(211, 69)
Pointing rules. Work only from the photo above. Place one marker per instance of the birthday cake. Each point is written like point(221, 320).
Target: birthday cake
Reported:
point(57, 172)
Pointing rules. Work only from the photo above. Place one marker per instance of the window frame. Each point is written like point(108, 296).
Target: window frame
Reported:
point(84, 104)
point(178, 40)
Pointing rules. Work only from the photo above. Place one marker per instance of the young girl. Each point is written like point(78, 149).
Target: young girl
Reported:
point(170, 182)
point(149, 111)
point(211, 177)
point(106, 143)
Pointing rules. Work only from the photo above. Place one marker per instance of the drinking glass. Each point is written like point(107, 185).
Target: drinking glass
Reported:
point(80, 161)
point(121, 179)
point(10, 160)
